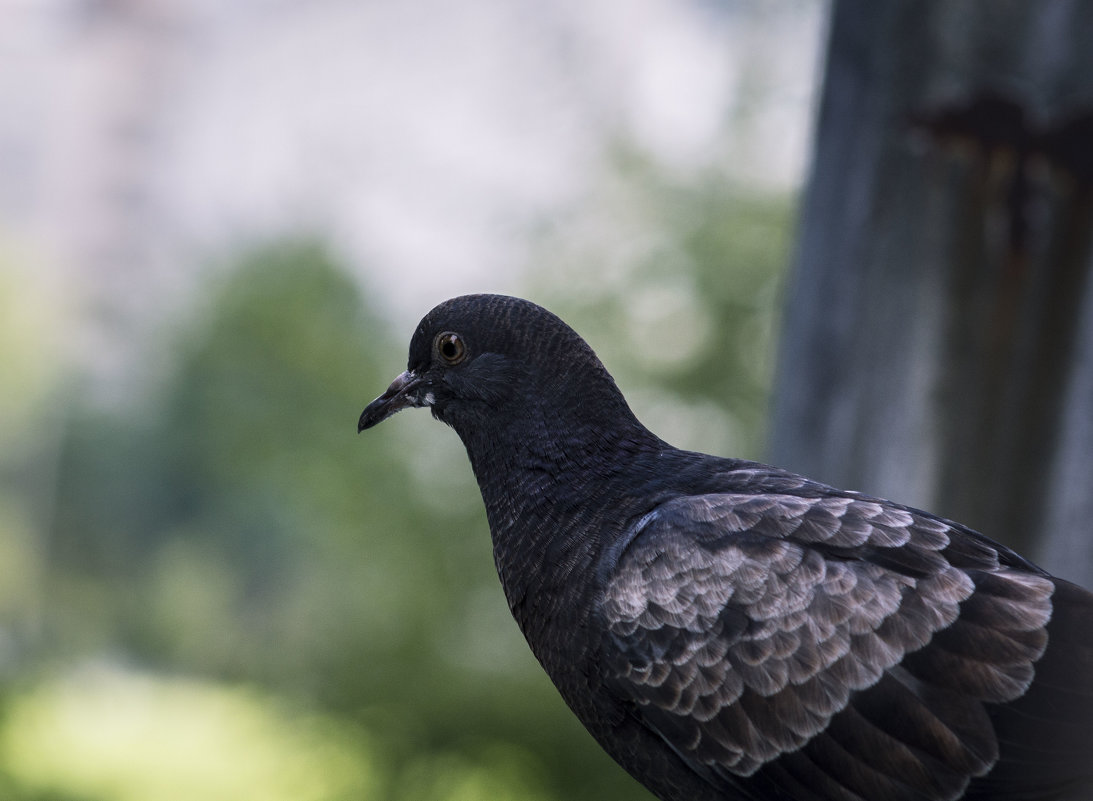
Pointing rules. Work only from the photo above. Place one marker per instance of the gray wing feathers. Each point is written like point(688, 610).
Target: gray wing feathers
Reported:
point(740, 626)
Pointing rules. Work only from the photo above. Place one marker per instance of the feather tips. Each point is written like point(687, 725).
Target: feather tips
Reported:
point(834, 630)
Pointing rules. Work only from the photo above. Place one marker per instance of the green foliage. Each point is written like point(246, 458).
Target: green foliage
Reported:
point(102, 735)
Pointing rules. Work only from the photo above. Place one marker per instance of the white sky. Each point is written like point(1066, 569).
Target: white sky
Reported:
point(423, 138)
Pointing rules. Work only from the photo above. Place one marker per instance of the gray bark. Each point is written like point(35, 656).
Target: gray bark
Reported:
point(937, 347)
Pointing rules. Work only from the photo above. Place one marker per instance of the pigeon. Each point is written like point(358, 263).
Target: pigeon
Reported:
point(730, 630)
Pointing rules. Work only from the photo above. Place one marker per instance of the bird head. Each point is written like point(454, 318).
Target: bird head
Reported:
point(482, 362)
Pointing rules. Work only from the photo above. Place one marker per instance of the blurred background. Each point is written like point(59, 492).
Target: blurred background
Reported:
point(219, 224)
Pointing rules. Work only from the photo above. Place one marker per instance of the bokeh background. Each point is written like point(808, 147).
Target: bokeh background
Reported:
point(219, 224)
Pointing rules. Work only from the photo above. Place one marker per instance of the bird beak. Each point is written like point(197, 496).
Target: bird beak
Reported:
point(399, 395)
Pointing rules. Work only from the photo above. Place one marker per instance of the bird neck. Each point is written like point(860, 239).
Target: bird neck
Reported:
point(556, 495)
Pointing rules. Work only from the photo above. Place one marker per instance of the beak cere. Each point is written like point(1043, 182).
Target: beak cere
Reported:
point(401, 394)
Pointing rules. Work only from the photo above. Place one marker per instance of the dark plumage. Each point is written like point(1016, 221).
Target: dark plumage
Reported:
point(729, 630)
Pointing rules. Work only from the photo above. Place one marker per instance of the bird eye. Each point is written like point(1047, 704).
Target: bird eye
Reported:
point(450, 347)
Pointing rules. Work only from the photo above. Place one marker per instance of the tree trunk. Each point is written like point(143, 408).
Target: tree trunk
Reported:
point(938, 341)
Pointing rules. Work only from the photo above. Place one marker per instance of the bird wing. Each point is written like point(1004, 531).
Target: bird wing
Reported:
point(833, 647)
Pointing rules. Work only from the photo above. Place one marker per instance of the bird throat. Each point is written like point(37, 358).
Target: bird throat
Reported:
point(548, 521)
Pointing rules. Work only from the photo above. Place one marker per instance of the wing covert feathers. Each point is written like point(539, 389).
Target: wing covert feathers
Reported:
point(833, 648)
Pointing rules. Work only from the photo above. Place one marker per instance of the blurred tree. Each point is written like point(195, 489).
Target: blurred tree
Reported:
point(206, 505)
point(938, 338)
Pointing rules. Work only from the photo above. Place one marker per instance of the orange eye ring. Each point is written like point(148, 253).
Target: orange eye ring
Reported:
point(450, 348)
